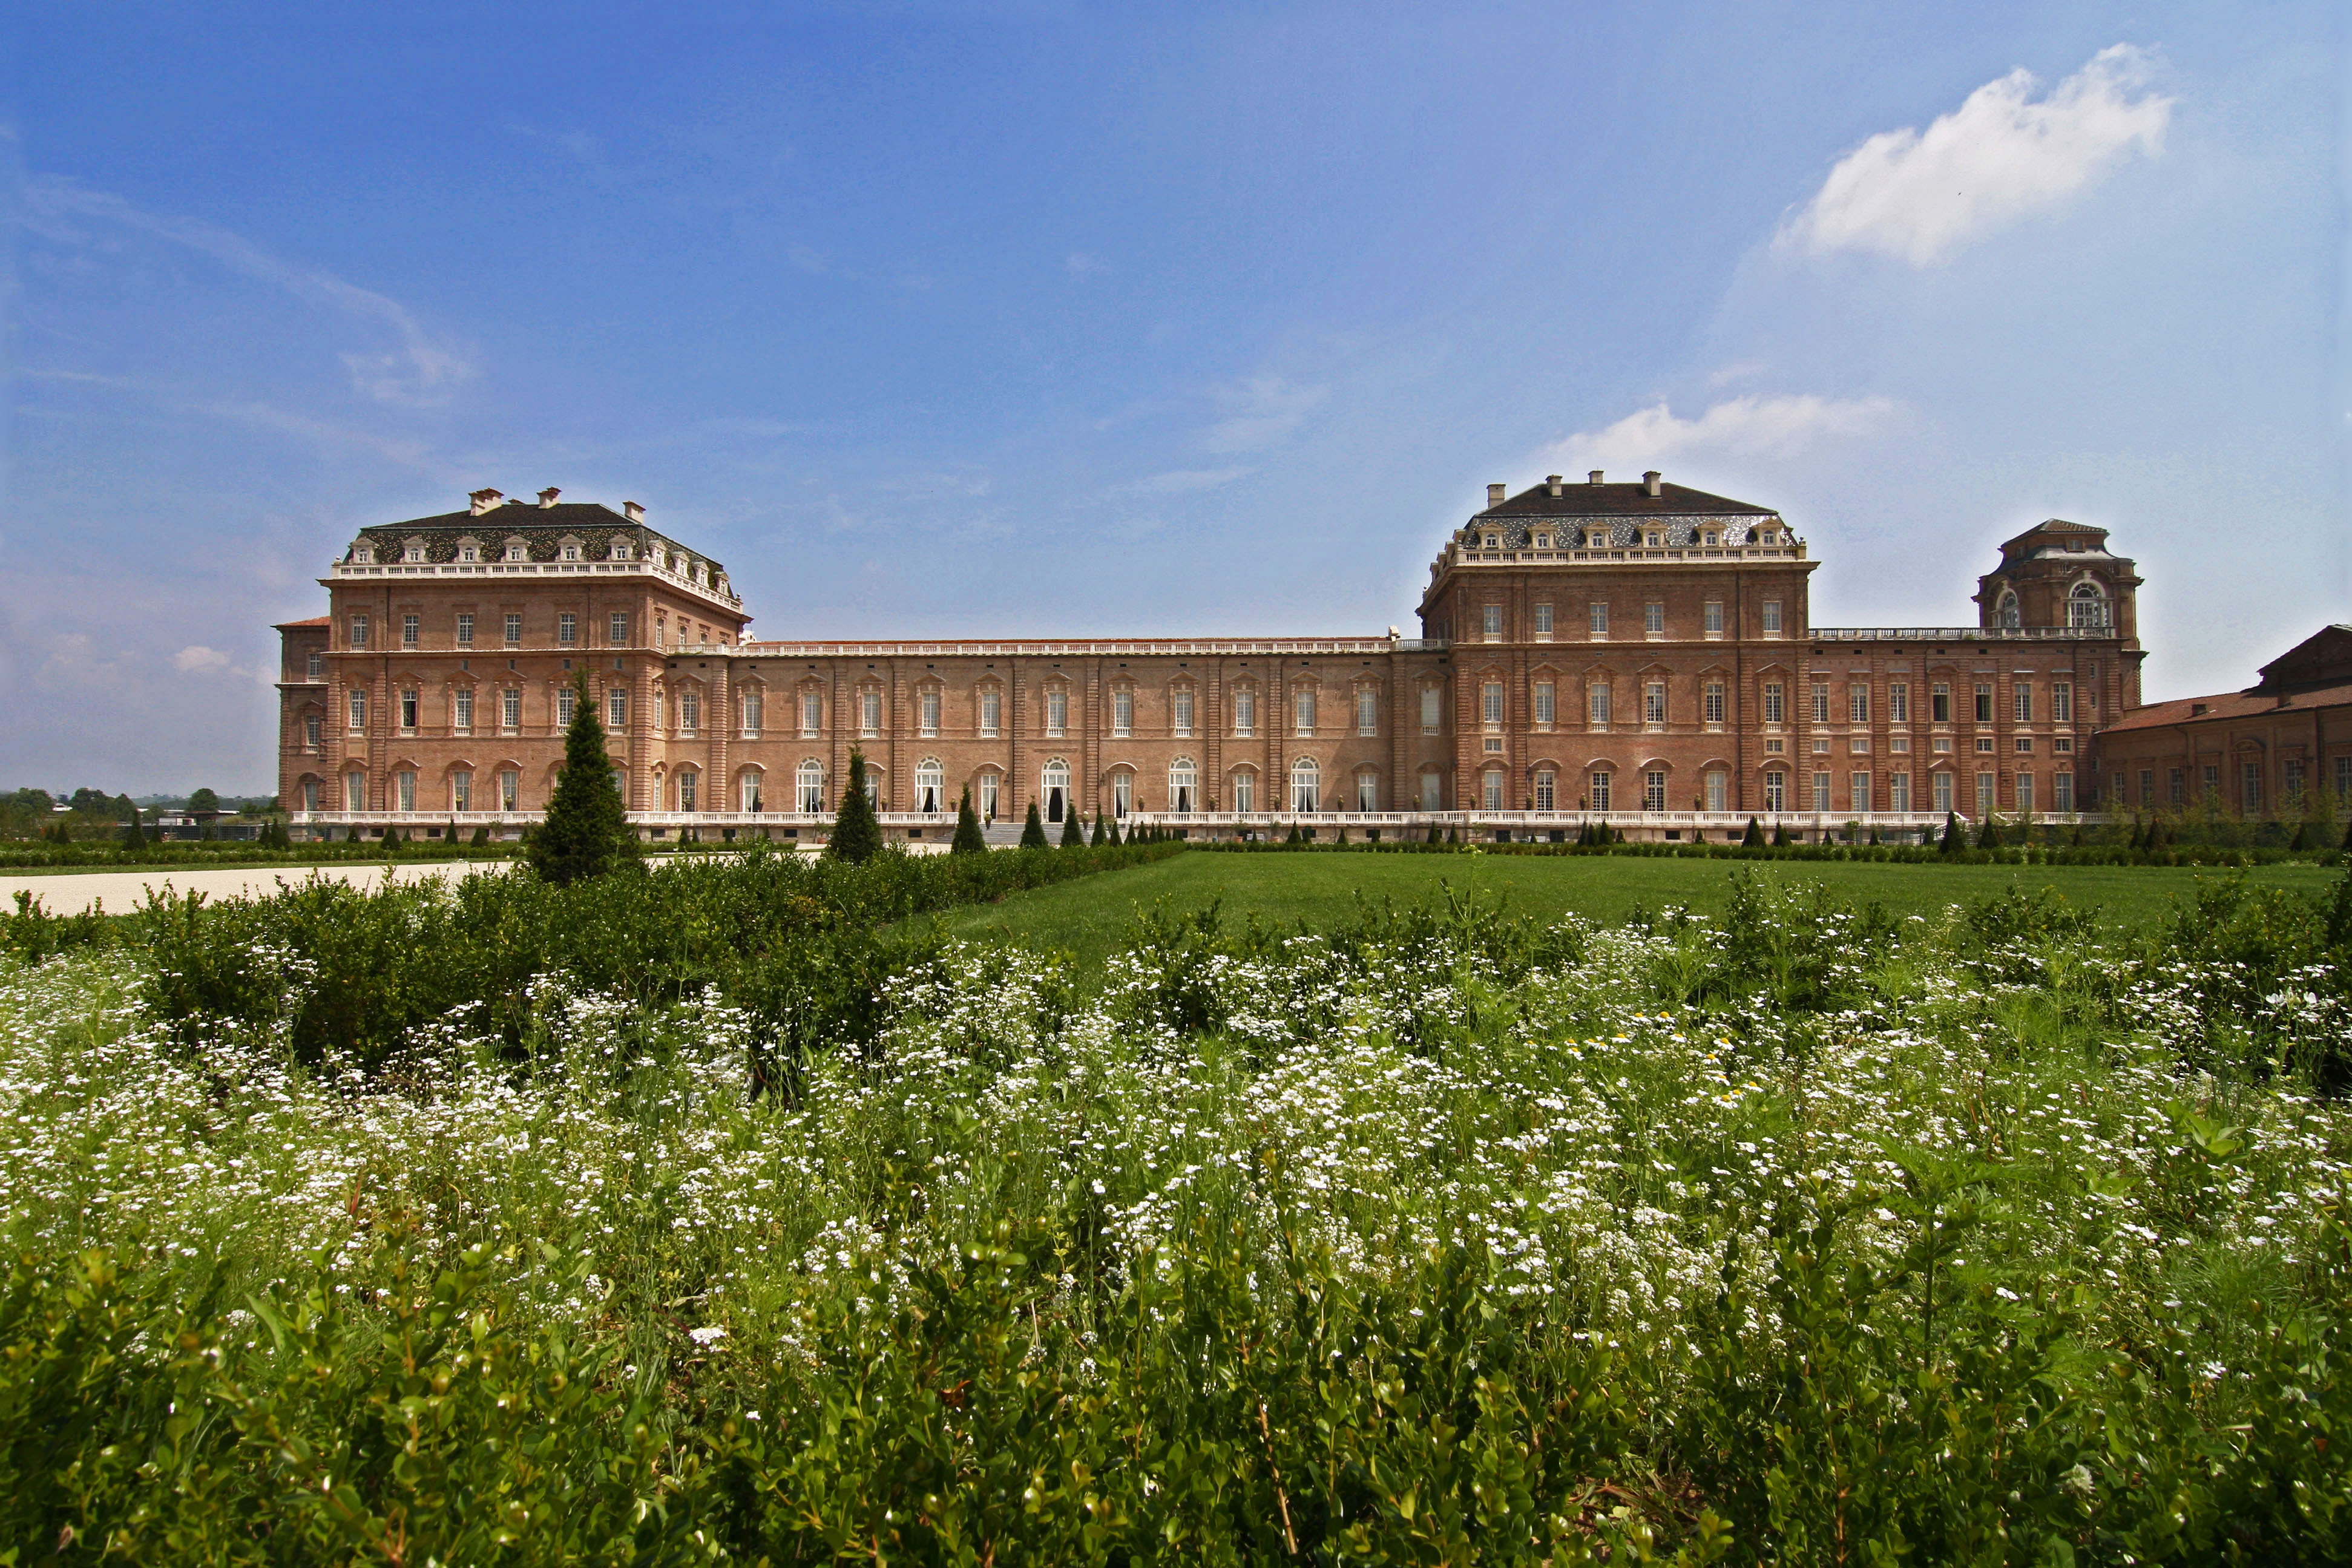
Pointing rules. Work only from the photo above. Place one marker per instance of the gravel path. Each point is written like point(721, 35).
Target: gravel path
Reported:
point(120, 891)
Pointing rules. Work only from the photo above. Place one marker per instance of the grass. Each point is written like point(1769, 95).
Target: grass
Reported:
point(1090, 917)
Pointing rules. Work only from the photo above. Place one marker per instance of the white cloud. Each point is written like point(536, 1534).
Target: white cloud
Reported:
point(2001, 156)
point(195, 657)
point(423, 370)
point(1772, 427)
point(1179, 482)
point(1260, 412)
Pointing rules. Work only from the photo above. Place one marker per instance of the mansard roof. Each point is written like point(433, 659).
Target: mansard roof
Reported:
point(2057, 533)
point(596, 526)
point(1631, 499)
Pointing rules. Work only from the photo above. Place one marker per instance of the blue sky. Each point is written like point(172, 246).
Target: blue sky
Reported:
point(1086, 320)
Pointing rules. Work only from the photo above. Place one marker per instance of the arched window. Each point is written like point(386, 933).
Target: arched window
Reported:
point(2005, 611)
point(1054, 786)
point(809, 783)
point(1184, 785)
point(2086, 606)
point(1306, 780)
point(930, 784)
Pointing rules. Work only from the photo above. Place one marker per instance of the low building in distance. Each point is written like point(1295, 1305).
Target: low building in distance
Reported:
point(2267, 751)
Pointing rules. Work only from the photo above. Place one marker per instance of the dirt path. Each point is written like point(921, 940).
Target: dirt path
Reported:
point(120, 891)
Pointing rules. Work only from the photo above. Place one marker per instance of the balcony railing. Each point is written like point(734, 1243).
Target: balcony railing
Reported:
point(1955, 633)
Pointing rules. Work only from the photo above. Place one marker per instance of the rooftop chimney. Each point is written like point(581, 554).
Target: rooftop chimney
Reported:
point(1593, 477)
point(547, 497)
point(634, 512)
point(1553, 481)
point(484, 500)
point(1495, 493)
point(1650, 482)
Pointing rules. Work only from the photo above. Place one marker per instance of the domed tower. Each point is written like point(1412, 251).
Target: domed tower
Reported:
point(2057, 580)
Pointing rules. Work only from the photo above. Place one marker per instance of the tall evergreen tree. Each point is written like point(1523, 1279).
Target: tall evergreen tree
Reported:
point(856, 832)
point(968, 839)
point(132, 833)
point(1955, 840)
point(586, 833)
point(1110, 832)
point(1781, 839)
point(1989, 835)
point(1073, 836)
point(1754, 837)
point(1100, 818)
point(1432, 833)
point(1033, 831)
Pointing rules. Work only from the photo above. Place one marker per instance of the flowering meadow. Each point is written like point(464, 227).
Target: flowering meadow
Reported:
point(500, 1223)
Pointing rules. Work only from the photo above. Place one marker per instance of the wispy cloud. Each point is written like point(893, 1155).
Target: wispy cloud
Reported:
point(1260, 412)
point(1085, 264)
point(1178, 482)
point(1999, 157)
point(1772, 427)
point(421, 368)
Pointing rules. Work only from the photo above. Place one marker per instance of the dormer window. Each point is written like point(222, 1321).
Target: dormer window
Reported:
point(1493, 541)
point(517, 551)
point(1651, 539)
point(571, 552)
point(362, 555)
point(414, 554)
point(621, 552)
point(1714, 540)
point(469, 551)
point(1543, 541)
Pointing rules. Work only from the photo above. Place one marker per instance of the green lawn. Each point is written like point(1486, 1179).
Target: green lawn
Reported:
point(1090, 916)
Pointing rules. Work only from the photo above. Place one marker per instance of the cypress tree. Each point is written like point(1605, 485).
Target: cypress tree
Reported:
point(1754, 837)
point(969, 840)
point(1097, 840)
point(1989, 835)
point(1955, 841)
point(1033, 831)
point(857, 835)
point(586, 833)
point(1452, 837)
point(131, 831)
point(1433, 832)
point(1781, 839)
point(1074, 837)
point(1110, 831)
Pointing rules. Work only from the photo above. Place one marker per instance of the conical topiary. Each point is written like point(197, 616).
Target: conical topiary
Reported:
point(1955, 840)
point(1033, 831)
point(856, 831)
point(1988, 834)
point(1433, 832)
point(968, 839)
point(586, 833)
point(1110, 832)
point(1074, 835)
point(1096, 841)
point(1754, 837)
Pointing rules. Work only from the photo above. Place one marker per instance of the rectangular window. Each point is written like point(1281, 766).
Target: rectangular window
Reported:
point(1653, 619)
point(1491, 789)
point(359, 631)
point(1597, 704)
point(1776, 791)
point(359, 710)
point(1244, 792)
point(403, 791)
point(461, 704)
point(1122, 713)
point(461, 790)
point(617, 708)
point(1600, 622)
point(2344, 779)
point(355, 792)
point(688, 788)
point(1303, 710)
point(1943, 788)
point(1820, 702)
point(2212, 782)
point(2176, 787)
point(1898, 791)
point(313, 727)
point(2148, 786)
point(1490, 704)
point(514, 630)
point(411, 628)
point(2062, 792)
point(1986, 802)
point(315, 667)
point(927, 710)
point(2061, 704)
point(1546, 790)
point(1180, 710)
point(1898, 703)
point(1984, 702)
point(567, 628)
point(1822, 802)
point(1599, 790)
point(1654, 790)
point(1545, 704)
point(1433, 701)
point(987, 803)
point(1057, 712)
point(1492, 622)
point(1715, 617)
point(1543, 622)
point(1245, 712)
point(310, 794)
point(2024, 702)
point(1775, 703)
point(1771, 618)
point(2291, 777)
point(1857, 704)
point(1122, 794)
point(1939, 703)
point(616, 628)
point(510, 790)
point(2249, 789)
point(1368, 791)
point(1653, 704)
point(565, 699)
point(408, 710)
point(1712, 696)
point(510, 708)
point(869, 712)
point(465, 631)
point(1719, 791)
point(1858, 795)
point(992, 712)
point(2024, 793)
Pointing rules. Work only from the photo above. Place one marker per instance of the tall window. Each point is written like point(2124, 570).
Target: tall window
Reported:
point(689, 784)
point(1898, 703)
point(1304, 785)
point(1432, 705)
point(1771, 618)
point(1367, 710)
point(1122, 713)
point(1599, 620)
point(1984, 702)
point(1820, 702)
point(2024, 702)
point(1653, 702)
point(987, 802)
point(314, 668)
point(870, 714)
point(2249, 789)
point(1718, 790)
point(2005, 613)
point(1776, 791)
point(991, 711)
point(510, 708)
point(1122, 794)
point(689, 711)
point(313, 731)
point(359, 631)
point(1180, 710)
point(1245, 791)
point(403, 791)
point(1303, 701)
point(808, 783)
point(410, 630)
point(564, 698)
point(1939, 703)
point(755, 704)
point(408, 710)
point(1596, 697)
point(927, 707)
point(1492, 622)
point(461, 710)
point(1713, 620)
point(1857, 704)
point(1546, 703)
point(1183, 786)
point(510, 789)
point(1942, 783)
point(2061, 702)
point(1988, 800)
point(1598, 789)
point(1433, 789)
point(2062, 792)
point(514, 630)
point(2024, 792)
point(359, 710)
point(1490, 704)
point(1859, 797)
point(2086, 606)
point(355, 792)
point(1490, 789)
point(1898, 791)
point(2291, 776)
point(930, 785)
point(1058, 714)
point(1776, 703)
point(1543, 622)
point(1053, 784)
point(617, 708)
point(1653, 619)
point(1654, 790)
point(1368, 791)
point(1546, 790)
point(310, 794)
point(1245, 711)
point(1712, 696)
point(461, 790)
point(465, 631)
point(1822, 802)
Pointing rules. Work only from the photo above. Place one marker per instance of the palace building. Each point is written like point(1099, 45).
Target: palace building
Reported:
point(1639, 652)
